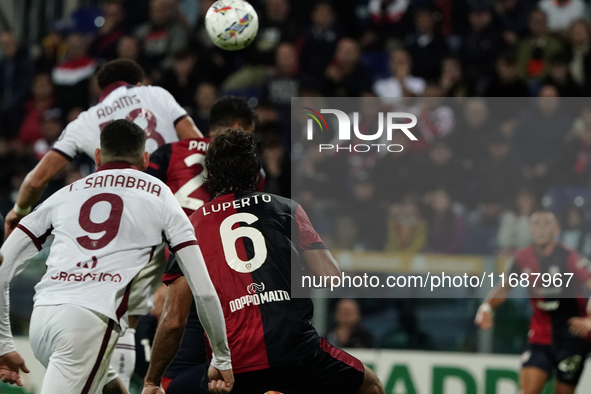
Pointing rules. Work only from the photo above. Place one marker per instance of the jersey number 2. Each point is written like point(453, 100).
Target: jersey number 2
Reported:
point(229, 237)
point(182, 195)
point(110, 226)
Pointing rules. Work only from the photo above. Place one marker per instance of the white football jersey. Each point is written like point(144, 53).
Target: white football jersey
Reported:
point(106, 227)
point(150, 107)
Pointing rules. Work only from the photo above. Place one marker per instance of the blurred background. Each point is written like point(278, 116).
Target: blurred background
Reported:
point(466, 188)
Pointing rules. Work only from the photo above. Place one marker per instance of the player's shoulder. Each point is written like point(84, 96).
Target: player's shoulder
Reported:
point(566, 251)
point(525, 254)
point(154, 91)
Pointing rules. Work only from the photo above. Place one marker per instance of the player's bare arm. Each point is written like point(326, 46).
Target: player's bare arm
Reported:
point(33, 186)
point(495, 298)
point(170, 330)
point(322, 262)
point(186, 129)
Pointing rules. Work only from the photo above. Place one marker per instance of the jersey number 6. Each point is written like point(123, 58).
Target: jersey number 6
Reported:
point(229, 237)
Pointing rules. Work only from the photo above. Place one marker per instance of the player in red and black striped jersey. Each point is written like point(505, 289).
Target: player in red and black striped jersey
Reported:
point(249, 242)
point(181, 165)
point(554, 347)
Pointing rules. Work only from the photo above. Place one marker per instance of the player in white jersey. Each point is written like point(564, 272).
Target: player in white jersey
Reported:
point(163, 121)
point(106, 227)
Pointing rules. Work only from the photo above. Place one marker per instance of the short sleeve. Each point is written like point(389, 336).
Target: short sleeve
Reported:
point(70, 141)
point(159, 161)
point(579, 266)
point(171, 107)
point(38, 224)
point(308, 238)
point(178, 230)
point(172, 271)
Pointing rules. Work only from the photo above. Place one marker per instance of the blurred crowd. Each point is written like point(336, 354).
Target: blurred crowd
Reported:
point(467, 185)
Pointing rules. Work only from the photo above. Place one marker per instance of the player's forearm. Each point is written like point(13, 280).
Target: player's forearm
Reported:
point(36, 181)
point(15, 252)
point(208, 304)
point(497, 296)
point(166, 344)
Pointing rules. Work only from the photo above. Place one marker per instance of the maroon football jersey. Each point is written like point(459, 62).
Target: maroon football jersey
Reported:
point(181, 165)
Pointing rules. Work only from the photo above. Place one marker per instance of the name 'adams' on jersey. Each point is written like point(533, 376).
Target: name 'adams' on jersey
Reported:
point(151, 107)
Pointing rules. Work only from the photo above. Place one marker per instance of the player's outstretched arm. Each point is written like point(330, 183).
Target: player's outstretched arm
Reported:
point(14, 254)
point(495, 298)
point(187, 129)
point(322, 263)
point(170, 331)
point(33, 186)
point(210, 312)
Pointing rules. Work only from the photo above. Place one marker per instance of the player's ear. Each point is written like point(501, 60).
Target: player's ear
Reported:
point(145, 161)
point(97, 157)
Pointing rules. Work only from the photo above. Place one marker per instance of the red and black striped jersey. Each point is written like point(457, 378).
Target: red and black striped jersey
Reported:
point(249, 242)
point(552, 312)
point(181, 166)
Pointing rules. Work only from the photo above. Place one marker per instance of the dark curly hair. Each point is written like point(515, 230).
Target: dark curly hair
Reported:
point(120, 70)
point(122, 140)
point(228, 110)
point(233, 162)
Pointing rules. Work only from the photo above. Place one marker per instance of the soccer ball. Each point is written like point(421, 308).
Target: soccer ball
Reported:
point(231, 24)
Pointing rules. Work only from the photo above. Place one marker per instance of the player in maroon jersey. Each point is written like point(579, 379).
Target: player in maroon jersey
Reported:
point(556, 345)
point(250, 240)
point(181, 165)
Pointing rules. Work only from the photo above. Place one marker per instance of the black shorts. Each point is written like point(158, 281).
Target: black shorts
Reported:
point(186, 382)
point(326, 370)
point(565, 358)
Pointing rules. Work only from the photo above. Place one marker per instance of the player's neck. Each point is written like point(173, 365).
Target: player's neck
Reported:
point(545, 250)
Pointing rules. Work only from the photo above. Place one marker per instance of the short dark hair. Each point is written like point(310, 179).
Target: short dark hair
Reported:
point(120, 70)
point(123, 140)
point(233, 162)
point(228, 110)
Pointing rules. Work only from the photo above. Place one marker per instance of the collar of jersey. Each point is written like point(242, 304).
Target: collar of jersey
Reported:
point(116, 165)
point(109, 88)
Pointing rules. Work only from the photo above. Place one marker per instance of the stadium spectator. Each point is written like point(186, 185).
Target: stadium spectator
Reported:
point(284, 82)
point(435, 119)
point(559, 77)
point(104, 44)
point(561, 13)
point(71, 76)
point(440, 168)
point(320, 40)
point(535, 50)
point(389, 19)
point(205, 96)
point(472, 132)
point(51, 128)
point(407, 230)
point(452, 81)
point(540, 130)
point(480, 46)
point(426, 46)
point(512, 16)
point(16, 75)
point(160, 37)
point(42, 99)
point(128, 48)
point(367, 214)
point(506, 82)
point(346, 76)
point(401, 83)
point(349, 333)
point(275, 27)
point(495, 174)
point(575, 231)
point(447, 230)
point(580, 60)
point(182, 78)
point(574, 166)
point(482, 227)
point(514, 228)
